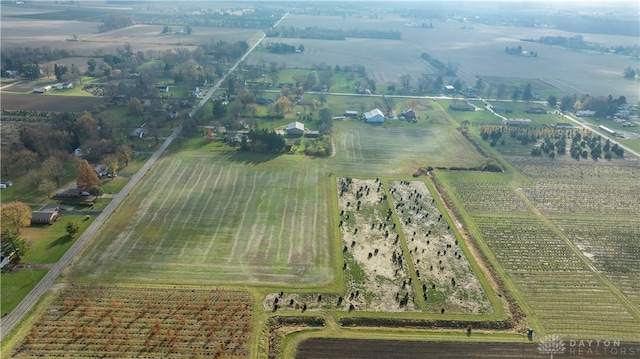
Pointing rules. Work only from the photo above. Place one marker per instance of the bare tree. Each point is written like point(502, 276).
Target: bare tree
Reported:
point(54, 168)
point(405, 80)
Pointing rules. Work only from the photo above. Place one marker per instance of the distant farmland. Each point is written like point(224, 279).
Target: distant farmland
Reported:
point(479, 51)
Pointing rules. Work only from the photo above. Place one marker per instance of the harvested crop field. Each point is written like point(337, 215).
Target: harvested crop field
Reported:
point(369, 349)
point(43, 102)
point(479, 51)
point(210, 217)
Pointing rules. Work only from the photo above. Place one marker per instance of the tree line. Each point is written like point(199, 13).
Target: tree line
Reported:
point(323, 33)
point(448, 69)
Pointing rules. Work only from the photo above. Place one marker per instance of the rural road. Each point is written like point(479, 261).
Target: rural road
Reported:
point(8, 322)
point(14, 317)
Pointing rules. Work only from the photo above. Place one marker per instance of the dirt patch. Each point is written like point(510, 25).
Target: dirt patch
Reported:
point(359, 348)
point(439, 261)
point(399, 255)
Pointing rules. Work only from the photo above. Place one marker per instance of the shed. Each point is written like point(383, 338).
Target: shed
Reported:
point(517, 121)
point(351, 113)
point(374, 116)
point(498, 109)
point(44, 217)
point(536, 110)
point(294, 129)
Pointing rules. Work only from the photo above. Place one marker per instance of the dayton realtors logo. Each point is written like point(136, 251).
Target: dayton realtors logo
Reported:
point(551, 344)
point(583, 348)
point(594, 347)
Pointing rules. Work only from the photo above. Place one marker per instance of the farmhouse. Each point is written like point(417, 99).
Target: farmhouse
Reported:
point(162, 88)
point(517, 122)
point(138, 132)
point(70, 193)
point(536, 110)
point(374, 116)
point(101, 170)
point(44, 217)
point(449, 89)
point(294, 129)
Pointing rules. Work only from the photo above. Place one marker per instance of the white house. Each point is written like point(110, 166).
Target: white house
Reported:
point(294, 129)
point(374, 115)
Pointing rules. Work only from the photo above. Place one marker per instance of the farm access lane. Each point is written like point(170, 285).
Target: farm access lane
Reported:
point(14, 317)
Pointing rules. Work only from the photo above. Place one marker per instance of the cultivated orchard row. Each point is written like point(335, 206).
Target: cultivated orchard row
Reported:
point(489, 196)
point(565, 238)
point(399, 254)
point(561, 290)
point(89, 321)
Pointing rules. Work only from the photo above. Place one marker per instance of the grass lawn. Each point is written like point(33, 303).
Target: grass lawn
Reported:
point(15, 286)
point(48, 243)
point(114, 185)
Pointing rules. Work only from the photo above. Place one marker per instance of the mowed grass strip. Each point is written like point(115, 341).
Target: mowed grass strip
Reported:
point(398, 148)
point(211, 217)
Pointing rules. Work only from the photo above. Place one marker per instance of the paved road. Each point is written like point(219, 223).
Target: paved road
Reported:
point(12, 319)
point(8, 323)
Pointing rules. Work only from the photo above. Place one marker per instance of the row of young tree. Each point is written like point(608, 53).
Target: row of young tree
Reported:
point(554, 142)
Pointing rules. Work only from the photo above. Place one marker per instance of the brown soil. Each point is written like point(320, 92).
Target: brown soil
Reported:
point(44, 102)
point(359, 348)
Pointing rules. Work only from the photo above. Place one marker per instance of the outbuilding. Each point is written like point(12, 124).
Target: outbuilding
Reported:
point(374, 116)
point(517, 122)
point(351, 113)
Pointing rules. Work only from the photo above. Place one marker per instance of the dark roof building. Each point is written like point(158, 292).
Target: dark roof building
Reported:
point(44, 217)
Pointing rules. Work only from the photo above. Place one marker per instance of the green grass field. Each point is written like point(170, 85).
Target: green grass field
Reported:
point(211, 217)
point(47, 243)
point(15, 286)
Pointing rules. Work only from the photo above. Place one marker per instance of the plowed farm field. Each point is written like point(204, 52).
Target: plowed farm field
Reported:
point(214, 217)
